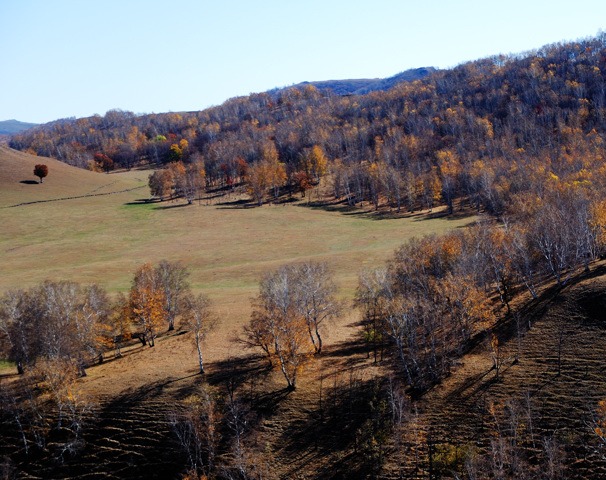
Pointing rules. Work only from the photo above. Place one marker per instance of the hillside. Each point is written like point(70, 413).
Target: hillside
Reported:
point(19, 185)
point(93, 227)
point(550, 357)
point(551, 380)
point(103, 238)
point(481, 132)
point(461, 217)
point(8, 127)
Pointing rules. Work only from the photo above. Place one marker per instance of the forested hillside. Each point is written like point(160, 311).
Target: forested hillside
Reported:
point(474, 353)
point(484, 130)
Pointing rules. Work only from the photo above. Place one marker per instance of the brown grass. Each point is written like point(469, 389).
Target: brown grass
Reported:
point(104, 238)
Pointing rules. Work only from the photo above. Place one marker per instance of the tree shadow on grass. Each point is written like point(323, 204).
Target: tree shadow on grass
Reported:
point(336, 206)
point(384, 213)
point(346, 355)
point(237, 370)
point(171, 207)
point(235, 205)
point(444, 215)
point(141, 202)
point(30, 182)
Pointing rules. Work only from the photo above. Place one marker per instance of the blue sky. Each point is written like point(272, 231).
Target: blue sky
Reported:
point(75, 58)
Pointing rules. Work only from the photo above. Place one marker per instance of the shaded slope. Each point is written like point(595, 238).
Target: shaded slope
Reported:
point(555, 370)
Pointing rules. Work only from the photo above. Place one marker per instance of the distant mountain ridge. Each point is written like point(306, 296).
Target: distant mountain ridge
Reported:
point(8, 127)
point(362, 86)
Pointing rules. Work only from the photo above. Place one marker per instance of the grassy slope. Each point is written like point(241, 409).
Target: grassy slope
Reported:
point(105, 238)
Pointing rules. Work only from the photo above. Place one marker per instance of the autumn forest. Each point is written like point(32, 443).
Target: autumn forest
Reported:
point(473, 353)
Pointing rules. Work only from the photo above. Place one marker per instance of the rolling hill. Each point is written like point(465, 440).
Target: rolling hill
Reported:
point(93, 227)
point(87, 226)
point(477, 354)
point(19, 185)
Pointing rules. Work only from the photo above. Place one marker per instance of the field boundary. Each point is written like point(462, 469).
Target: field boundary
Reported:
point(75, 197)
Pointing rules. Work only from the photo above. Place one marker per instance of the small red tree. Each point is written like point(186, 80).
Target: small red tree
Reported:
point(41, 171)
point(302, 182)
point(104, 162)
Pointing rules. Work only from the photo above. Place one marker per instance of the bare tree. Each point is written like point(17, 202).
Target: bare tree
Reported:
point(199, 317)
point(196, 428)
point(277, 326)
point(54, 320)
point(315, 292)
point(171, 278)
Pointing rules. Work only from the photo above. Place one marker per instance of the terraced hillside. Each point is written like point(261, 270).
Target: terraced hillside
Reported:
point(549, 384)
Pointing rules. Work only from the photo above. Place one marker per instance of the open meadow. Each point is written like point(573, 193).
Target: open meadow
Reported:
point(107, 231)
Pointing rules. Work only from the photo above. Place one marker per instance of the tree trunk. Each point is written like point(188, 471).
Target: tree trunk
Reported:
point(311, 336)
point(200, 359)
point(319, 349)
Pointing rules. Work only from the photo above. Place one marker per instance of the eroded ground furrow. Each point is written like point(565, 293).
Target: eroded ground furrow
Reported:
point(128, 437)
point(551, 378)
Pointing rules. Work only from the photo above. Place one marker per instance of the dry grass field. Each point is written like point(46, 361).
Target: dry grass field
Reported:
point(105, 230)
point(105, 238)
point(91, 227)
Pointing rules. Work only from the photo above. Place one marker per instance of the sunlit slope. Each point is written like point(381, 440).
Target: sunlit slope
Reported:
point(19, 185)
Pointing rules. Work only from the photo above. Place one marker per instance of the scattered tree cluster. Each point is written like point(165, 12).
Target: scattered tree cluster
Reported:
point(294, 304)
point(55, 330)
point(54, 321)
point(76, 324)
point(178, 179)
point(52, 332)
point(434, 294)
point(426, 306)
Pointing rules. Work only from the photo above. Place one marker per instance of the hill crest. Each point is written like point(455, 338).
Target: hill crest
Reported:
point(8, 127)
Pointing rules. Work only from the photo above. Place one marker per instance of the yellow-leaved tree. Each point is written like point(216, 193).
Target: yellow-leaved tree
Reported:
point(146, 304)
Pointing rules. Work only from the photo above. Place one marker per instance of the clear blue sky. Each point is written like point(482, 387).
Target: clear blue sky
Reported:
point(64, 58)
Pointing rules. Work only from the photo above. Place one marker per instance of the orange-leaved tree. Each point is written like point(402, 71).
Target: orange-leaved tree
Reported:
point(314, 163)
point(146, 304)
